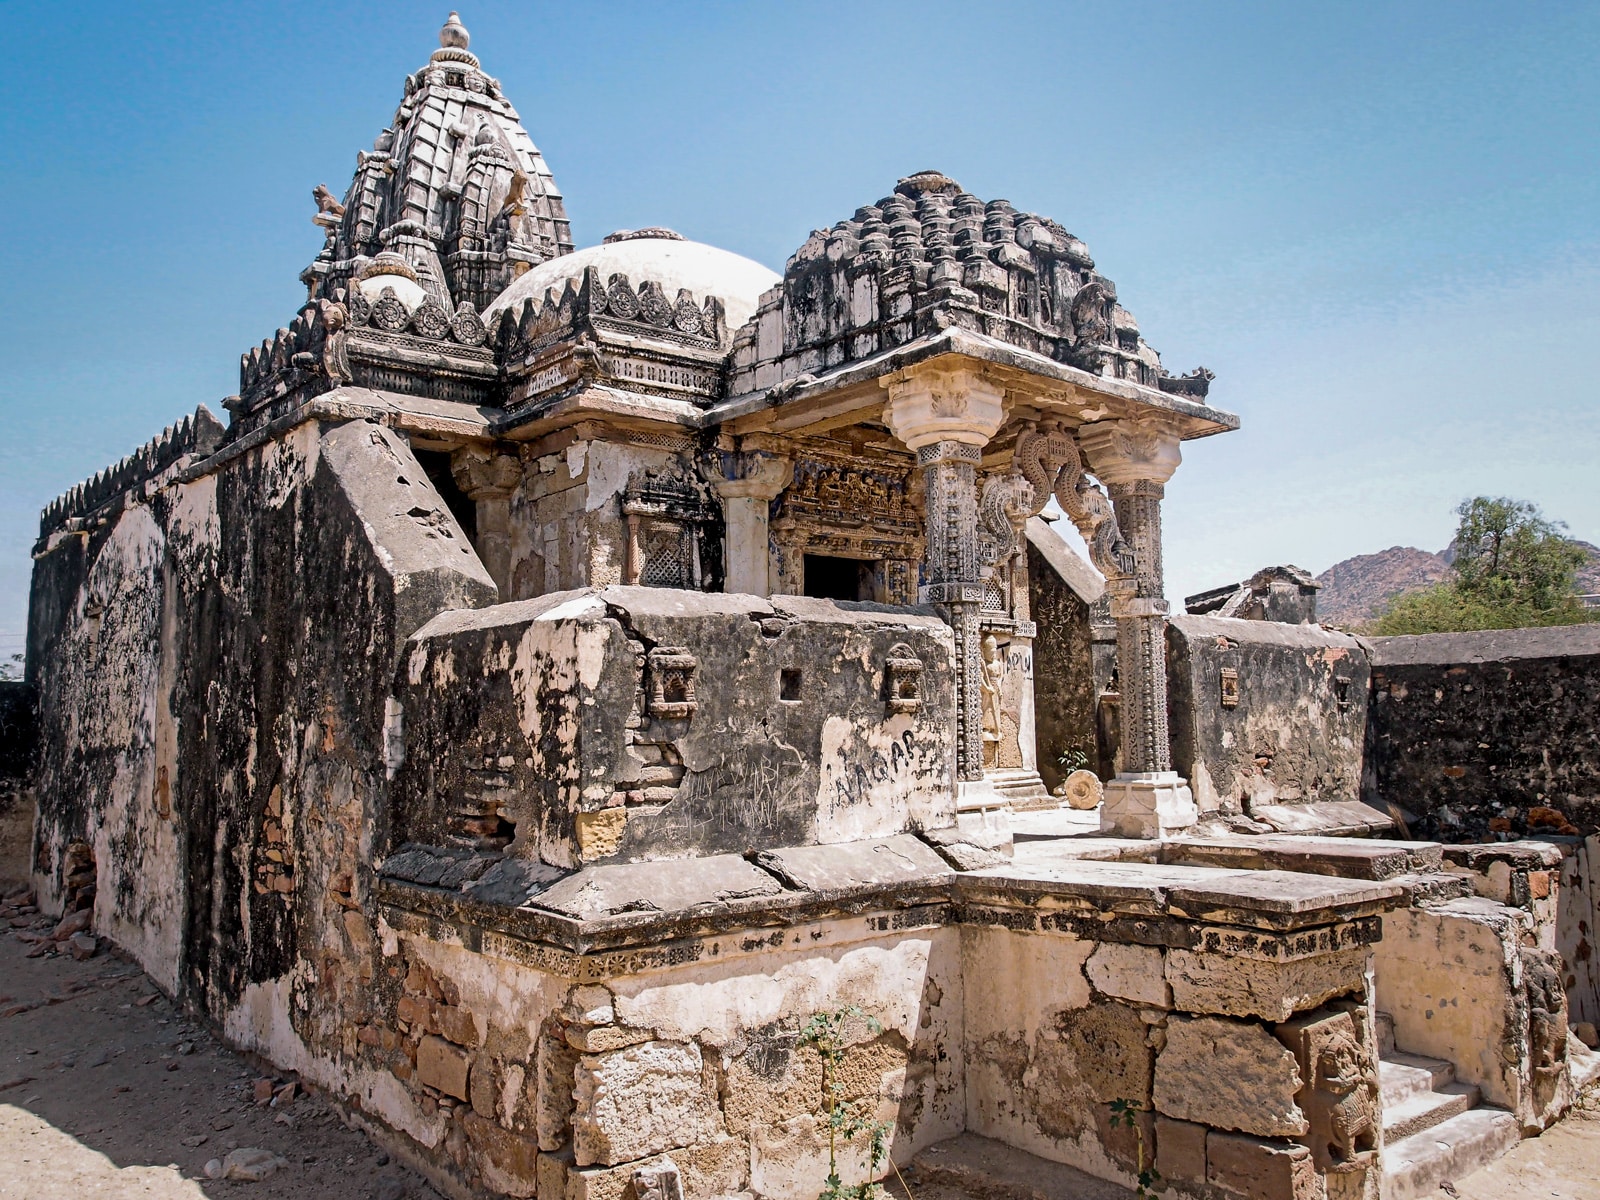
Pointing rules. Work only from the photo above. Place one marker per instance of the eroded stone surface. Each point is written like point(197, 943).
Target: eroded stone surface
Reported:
point(1229, 1074)
point(639, 1101)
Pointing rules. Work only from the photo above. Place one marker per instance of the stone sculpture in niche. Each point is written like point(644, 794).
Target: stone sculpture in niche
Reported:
point(903, 670)
point(991, 681)
point(1339, 1095)
point(672, 671)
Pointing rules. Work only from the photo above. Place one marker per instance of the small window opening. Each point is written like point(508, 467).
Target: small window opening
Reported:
point(435, 465)
point(789, 684)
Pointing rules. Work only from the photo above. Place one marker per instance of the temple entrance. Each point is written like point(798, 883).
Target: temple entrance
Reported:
point(829, 578)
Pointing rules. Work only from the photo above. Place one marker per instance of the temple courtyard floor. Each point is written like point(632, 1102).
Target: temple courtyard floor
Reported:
point(107, 1091)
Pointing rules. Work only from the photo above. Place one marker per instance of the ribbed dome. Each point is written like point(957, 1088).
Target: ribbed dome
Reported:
point(658, 256)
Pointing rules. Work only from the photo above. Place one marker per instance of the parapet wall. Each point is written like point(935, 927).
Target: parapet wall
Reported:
point(1264, 713)
point(647, 722)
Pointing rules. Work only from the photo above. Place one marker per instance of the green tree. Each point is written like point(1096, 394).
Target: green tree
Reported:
point(1513, 569)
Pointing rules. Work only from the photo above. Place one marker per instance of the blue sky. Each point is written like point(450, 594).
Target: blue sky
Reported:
point(1376, 223)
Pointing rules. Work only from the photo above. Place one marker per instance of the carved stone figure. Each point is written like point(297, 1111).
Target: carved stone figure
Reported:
point(329, 210)
point(991, 681)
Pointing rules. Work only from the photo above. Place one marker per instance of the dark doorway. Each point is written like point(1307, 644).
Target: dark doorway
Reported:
point(838, 578)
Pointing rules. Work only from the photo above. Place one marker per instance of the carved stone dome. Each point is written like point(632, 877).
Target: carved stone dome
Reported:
point(655, 255)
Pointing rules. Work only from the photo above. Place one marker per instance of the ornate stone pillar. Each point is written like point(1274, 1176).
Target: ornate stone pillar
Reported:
point(1147, 798)
point(751, 482)
point(947, 416)
point(489, 478)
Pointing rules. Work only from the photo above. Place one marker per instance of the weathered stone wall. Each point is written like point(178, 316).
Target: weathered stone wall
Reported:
point(1265, 713)
point(1065, 696)
point(1221, 1036)
point(558, 715)
point(1480, 733)
point(213, 662)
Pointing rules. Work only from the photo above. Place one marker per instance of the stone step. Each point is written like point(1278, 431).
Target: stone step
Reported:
point(1402, 1076)
point(1453, 1149)
point(1423, 1110)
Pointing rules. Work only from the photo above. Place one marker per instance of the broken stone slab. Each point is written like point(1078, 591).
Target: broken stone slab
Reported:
point(1332, 817)
point(1133, 973)
point(668, 886)
point(880, 861)
point(1277, 898)
point(1347, 858)
point(1230, 1075)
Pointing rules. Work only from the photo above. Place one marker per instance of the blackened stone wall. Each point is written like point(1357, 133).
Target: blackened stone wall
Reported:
point(1488, 732)
point(1063, 670)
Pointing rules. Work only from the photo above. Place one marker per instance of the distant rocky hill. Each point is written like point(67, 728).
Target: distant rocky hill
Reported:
point(1354, 591)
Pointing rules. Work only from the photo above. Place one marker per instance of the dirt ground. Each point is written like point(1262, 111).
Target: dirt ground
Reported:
point(1562, 1163)
point(107, 1091)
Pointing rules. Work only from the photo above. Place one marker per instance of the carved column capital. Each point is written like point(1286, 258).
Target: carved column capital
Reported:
point(943, 404)
point(485, 474)
point(751, 475)
point(1130, 452)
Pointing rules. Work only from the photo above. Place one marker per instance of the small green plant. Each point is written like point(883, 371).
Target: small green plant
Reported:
point(1126, 1112)
point(1074, 758)
point(846, 1119)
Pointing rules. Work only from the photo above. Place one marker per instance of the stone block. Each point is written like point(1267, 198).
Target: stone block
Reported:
point(508, 1160)
point(1180, 1150)
point(1261, 1170)
point(443, 1065)
point(720, 1167)
point(1228, 1074)
point(639, 1101)
point(457, 1024)
point(1253, 987)
point(1133, 973)
point(483, 1082)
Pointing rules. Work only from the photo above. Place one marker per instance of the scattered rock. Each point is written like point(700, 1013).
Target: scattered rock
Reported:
point(100, 1057)
point(389, 1187)
point(7, 1084)
point(213, 1168)
point(248, 1164)
point(1586, 1033)
point(222, 1123)
point(263, 1090)
point(147, 1001)
point(199, 1139)
point(73, 923)
point(83, 946)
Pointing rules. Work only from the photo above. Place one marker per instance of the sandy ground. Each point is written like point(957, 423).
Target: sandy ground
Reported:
point(1560, 1164)
point(106, 1091)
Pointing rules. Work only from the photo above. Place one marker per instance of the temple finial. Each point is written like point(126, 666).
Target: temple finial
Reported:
point(454, 35)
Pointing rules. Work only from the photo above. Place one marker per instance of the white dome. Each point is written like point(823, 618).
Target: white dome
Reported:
point(672, 262)
point(409, 291)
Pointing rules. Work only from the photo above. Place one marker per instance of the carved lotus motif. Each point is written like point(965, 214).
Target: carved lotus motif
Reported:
point(430, 320)
point(467, 326)
point(389, 312)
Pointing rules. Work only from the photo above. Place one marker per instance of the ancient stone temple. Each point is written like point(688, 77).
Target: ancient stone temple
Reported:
point(570, 670)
